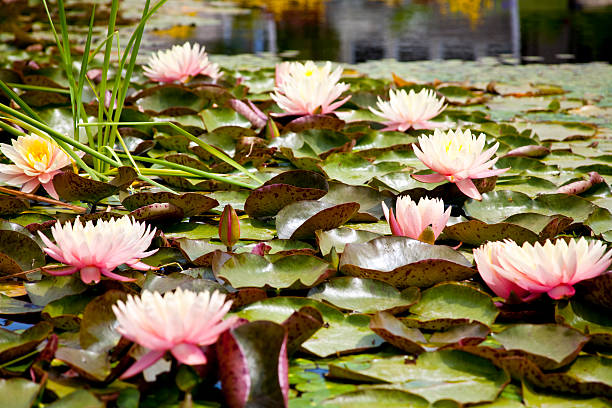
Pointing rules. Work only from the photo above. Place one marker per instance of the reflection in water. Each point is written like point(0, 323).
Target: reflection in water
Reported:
point(473, 9)
point(407, 30)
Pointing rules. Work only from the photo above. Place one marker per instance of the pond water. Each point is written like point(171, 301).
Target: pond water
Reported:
point(515, 31)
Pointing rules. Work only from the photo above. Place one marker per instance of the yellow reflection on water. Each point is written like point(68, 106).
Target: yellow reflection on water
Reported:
point(281, 7)
point(473, 9)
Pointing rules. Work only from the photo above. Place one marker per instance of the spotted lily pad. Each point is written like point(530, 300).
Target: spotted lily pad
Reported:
point(284, 189)
point(404, 262)
point(189, 203)
point(10, 206)
point(338, 238)
point(72, 187)
point(301, 219)
point(588, 319)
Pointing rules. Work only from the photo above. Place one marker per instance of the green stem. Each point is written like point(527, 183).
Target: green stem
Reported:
point(39, 88)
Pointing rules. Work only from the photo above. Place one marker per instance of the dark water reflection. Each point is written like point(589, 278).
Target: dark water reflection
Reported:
point(359, 30)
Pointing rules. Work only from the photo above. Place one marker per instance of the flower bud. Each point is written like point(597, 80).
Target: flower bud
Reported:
point(229, 226)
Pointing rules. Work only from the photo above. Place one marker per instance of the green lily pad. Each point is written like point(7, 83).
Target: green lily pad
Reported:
point(391, 329)
point(51, 288)
point(98, 332)
point(364, 295)
point(541, 400)
point(171, 100)
point(250, 270)
point(13, 345)
point(377, 397)
point(451, 304)
point(249, 229)
point(18, 392)
point(301, 219)
point(438, 375)
point(354, 170)
point(534, 341)
point(341, 334)
point(588, 319)
point(10, 306)
point(19, 250)
point(338, 238)
point(368, 198)
point(92, 365)
point(497, 206)
point(404, 262)
point(559, 131)
point(78, 399)
point(301, 325)
point(314, 122)
point(65, 313)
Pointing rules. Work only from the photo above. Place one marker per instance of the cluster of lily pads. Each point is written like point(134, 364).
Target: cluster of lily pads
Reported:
point(349, 267)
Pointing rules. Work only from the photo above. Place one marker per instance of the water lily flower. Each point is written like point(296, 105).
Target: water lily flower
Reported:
point(100, 248)
point(456, 156)
point(180, 63)
point(530, 270)
point(37, 160)
point(180, 322)
point(412, 219)
point(306, 89)
point(409, 110)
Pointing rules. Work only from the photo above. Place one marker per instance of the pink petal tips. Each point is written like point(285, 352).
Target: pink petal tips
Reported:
point(180, 63)
point(458, 157)
point(306, 89)
point(37, 160)
point(409, 110)
point(96, 250)
point(530, 270)
point(411, 219)
point(180, 322)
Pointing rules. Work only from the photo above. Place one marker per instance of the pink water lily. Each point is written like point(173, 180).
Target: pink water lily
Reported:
point(180, 63)
point(458, 157)
point(409, 110)
point(412, 219)
point(37, 160)
point(180, 322)
point(306, 89)
point(530, 270)
point(97, 249)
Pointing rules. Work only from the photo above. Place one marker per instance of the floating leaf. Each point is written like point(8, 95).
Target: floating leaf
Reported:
point(249, 270)
point(301, 219)
point(72, 187)
point(18, 393)
point(404, 262)
point(395, 332)
point(438, 375)
point(450, 304)
point(338, 238)
point(588, 319)
point(340, 334)
point(10, 206)
point(13, 345)
point(190, 203)
point(364, 295)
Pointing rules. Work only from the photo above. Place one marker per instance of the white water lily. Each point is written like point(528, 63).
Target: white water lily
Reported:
point(458, 157)
point(306, 89)
point(409, 110)
point(180, 63)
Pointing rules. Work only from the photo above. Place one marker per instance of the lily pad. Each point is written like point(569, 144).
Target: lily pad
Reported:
point(340, 334)
point(301, 219)
point(18, 392)
point(250, 270)
point(404, 262)
point(72, 187)
point(588, 319)
point(10, 206)
point(475, 232)
point(190, 203)
point(439, 375)
point(450, 304)
point(269, 199)
point(338, 238)
point(364, 295)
